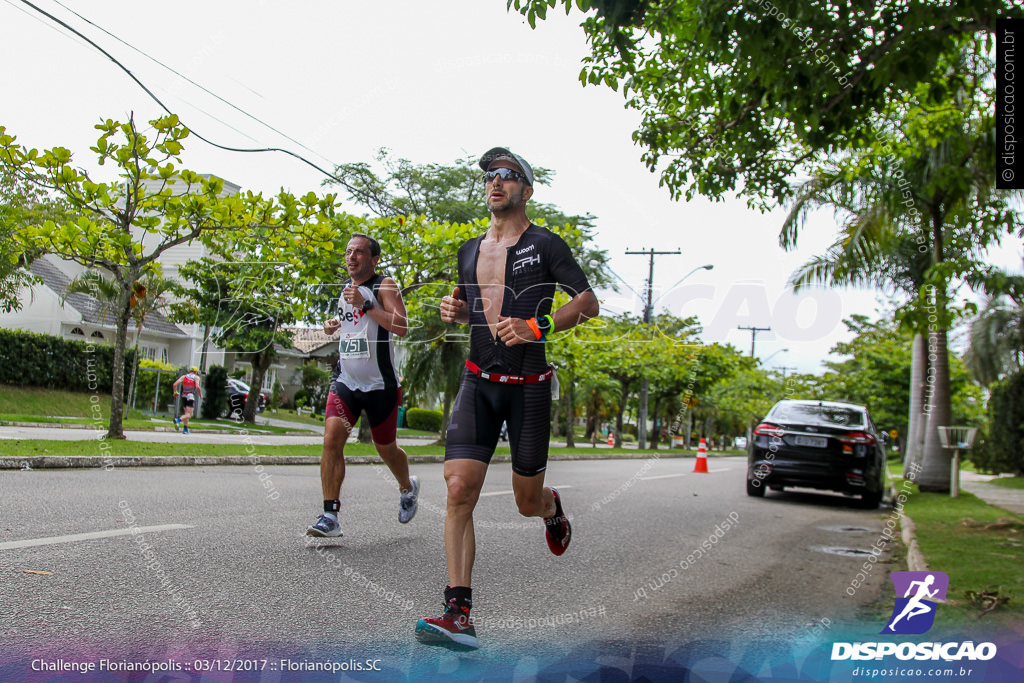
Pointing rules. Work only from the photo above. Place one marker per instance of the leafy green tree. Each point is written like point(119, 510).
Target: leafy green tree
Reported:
point(738, 96)
point(254, 283)
point(126, 224)
point(22, 203)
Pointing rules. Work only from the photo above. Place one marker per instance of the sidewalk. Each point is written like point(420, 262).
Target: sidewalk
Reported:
point(1006, 498)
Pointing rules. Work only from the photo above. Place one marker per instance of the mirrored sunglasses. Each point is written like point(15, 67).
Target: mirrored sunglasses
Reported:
point(506, 175)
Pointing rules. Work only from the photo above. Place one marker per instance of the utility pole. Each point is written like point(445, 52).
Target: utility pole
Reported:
point(783, 368)
point(753, 335)
point(648, 312)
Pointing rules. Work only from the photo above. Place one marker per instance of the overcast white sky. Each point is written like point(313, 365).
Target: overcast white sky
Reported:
point(433, 82)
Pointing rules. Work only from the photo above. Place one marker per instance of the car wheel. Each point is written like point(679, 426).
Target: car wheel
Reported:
point(755, 489)
point(870, 501)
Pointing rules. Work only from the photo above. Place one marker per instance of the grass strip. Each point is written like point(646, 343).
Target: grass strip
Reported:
point(129, 448)
point(981, 548)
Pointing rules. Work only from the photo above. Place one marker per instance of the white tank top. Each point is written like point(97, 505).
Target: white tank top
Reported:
point(366, 356)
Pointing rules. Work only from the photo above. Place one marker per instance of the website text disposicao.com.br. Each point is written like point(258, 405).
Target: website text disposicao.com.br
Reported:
point(900, 672)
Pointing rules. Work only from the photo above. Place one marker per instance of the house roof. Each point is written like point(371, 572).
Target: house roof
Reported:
point(91, 309)
point(309, 339)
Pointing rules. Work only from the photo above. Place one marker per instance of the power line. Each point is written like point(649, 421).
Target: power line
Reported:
point(354, 190)
point(186, 78)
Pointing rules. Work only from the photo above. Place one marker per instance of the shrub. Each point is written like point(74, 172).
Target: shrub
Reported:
point(146, 384)
point(425, 420)
point(301, 398)
point(276, 395)
point(1003, 450)
point(316, 382)
point(215, 392)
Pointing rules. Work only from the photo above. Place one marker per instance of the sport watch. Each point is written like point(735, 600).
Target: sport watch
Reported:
point(367, 305)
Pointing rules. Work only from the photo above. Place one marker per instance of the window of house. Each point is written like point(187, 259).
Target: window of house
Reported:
point(78, 331)
point(97, 335)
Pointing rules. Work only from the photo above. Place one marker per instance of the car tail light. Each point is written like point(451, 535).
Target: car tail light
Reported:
point(857, 438)
point(765, 429)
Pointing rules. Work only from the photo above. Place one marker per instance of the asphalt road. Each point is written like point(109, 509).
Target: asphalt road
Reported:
point(662, 560)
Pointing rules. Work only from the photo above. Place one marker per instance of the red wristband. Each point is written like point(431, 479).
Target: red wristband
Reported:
point(532, 322)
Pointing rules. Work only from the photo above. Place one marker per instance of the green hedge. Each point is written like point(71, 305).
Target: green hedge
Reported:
point(425, 420)
point(43, 360)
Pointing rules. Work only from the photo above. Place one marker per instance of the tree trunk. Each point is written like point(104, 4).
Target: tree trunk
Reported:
point(917, 420)
point(624, 396)
point(115, 430)
point(365, 435)
point(570, 414)
point(135, 368)
point(655, 434)
point(555, 425)
point(445, 418)
point(935, 461)
point(260, 363)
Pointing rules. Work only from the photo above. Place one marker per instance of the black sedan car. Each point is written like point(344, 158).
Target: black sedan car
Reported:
point(820, 445)
point(238, 394)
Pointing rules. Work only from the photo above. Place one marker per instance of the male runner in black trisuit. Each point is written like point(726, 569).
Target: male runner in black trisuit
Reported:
point(507, 279)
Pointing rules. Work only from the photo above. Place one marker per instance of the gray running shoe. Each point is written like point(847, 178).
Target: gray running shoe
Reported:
point(407, 506)
point(324, 527)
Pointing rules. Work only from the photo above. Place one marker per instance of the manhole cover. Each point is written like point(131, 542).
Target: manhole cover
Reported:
point(845, 552)
point(846, 528)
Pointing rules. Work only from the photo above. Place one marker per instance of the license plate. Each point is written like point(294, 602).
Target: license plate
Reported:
point(812, 441)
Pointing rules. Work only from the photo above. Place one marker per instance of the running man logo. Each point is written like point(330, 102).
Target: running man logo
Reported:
point(914, 613)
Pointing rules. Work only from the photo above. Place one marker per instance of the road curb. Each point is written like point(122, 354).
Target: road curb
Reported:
point(915, 558)
point(206, 430)
point(42, 462)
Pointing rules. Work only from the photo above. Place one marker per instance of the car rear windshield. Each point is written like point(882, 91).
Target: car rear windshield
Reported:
point(831, 416)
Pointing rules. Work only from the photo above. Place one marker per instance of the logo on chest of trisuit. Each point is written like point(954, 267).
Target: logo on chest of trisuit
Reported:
point(526, 263)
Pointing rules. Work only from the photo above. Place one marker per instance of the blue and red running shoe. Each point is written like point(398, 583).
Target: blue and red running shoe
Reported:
point(454, 628)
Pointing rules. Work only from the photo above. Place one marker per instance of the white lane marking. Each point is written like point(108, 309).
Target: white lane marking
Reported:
point(72, 538)
point(663, 476)
point(505, 493)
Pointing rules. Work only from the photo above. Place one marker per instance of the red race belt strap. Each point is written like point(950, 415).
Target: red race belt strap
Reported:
point(509, 379)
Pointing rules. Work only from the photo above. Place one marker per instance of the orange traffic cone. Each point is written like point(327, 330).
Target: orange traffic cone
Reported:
point(611, 438)
point(702, 458)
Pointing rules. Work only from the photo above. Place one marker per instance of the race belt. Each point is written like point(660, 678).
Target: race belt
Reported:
point(509, 379)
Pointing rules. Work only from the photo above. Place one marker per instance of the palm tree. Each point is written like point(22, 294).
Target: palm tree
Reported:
point(929, 174)
point(435, 358)
point(873, 250)
point(996, 340)
point(92, 283)
point(146, 299)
